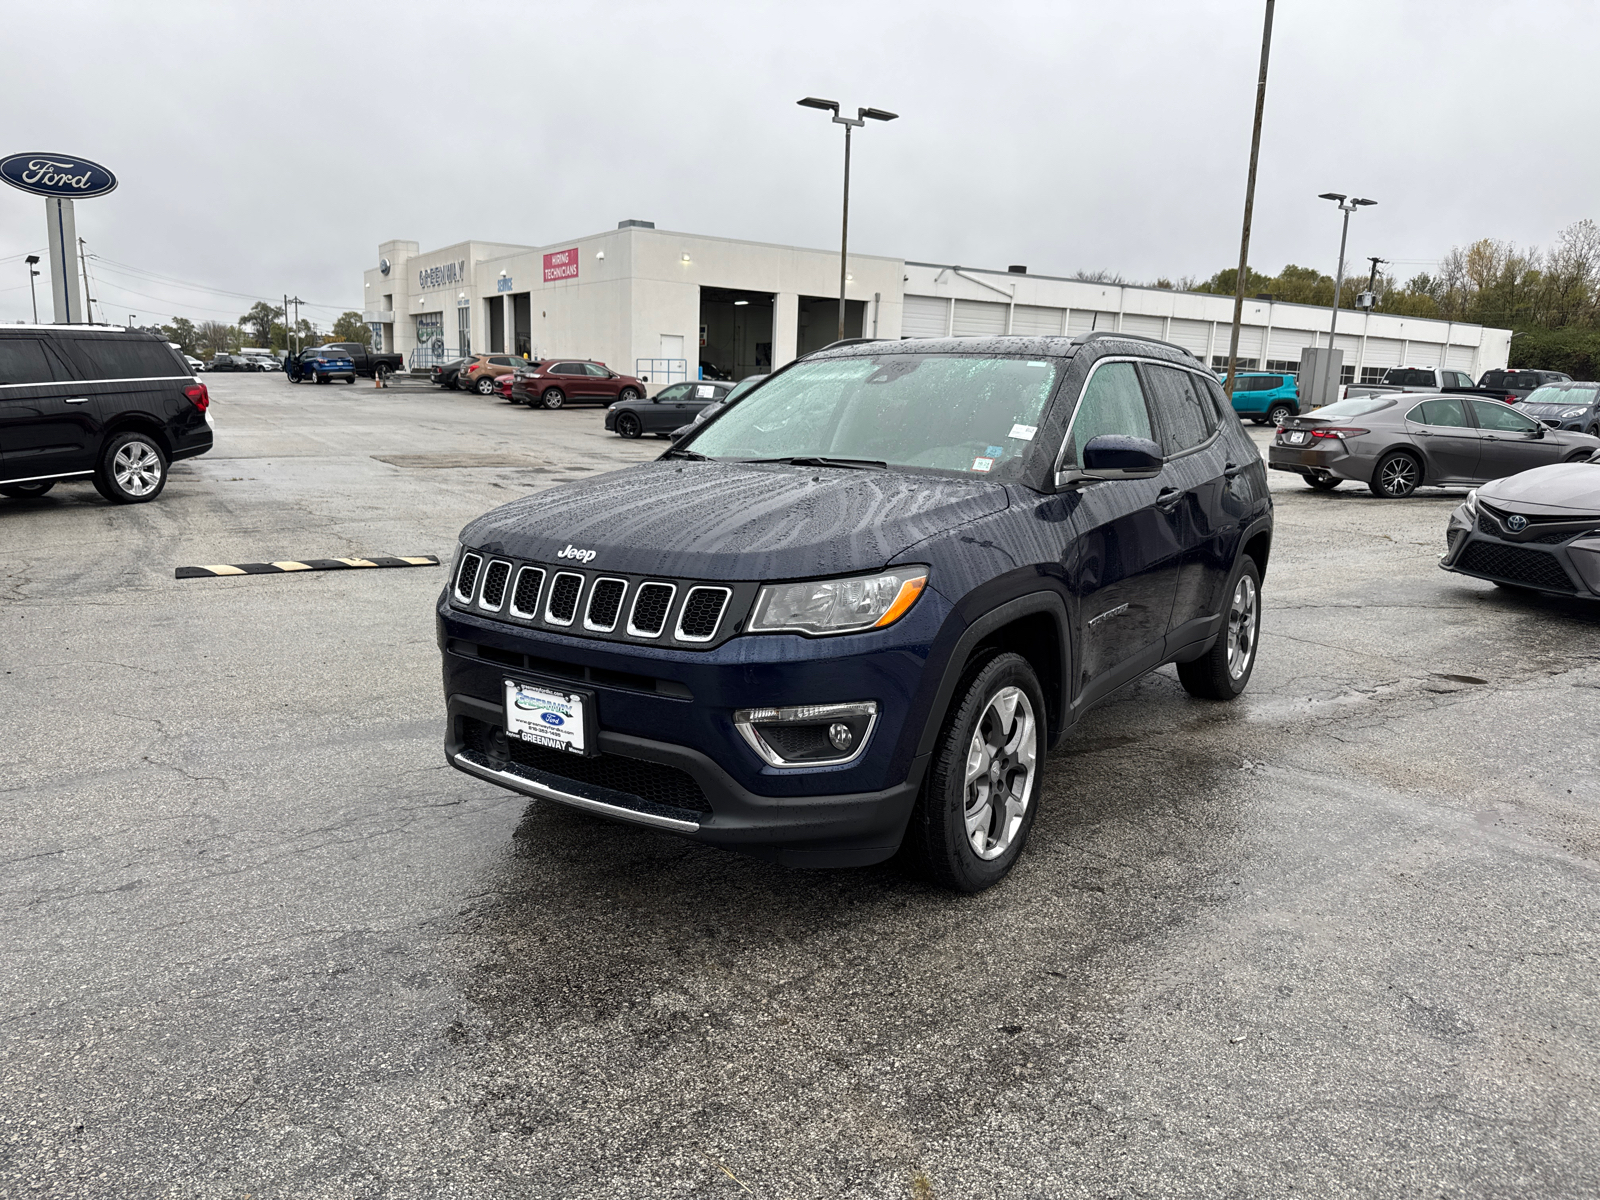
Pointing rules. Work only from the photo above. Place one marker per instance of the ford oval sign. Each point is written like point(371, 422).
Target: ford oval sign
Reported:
point(57, 175)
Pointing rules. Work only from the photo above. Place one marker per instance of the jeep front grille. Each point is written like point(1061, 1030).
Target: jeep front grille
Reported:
point(564, 592)
point(525, 597)
point(494, 585)
point(702, 613)
point(605, 602)
point(467, 577)
point(650, 605)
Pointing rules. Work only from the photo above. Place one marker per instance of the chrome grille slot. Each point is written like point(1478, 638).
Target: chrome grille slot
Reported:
point(605, 605)
point(525, 596)
point(702, 613)
point(494, 585)
point(467, 577)
point(562, 606)
point(651, 604)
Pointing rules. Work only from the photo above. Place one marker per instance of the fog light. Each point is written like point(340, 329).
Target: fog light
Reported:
point(807, 735)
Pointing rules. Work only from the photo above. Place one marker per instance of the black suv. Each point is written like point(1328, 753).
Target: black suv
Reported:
point(849, 614)
point(96, 401)
point(1518, 383)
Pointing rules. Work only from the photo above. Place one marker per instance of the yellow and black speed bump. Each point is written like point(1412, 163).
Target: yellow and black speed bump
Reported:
point(310, 564)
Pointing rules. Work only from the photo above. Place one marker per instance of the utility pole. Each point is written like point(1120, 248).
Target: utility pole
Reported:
point(297, 302)
point(1249, 204)
point(1372, 280)
point(88, 300)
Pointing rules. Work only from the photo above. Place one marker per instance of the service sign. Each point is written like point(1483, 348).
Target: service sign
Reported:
point(57, 175)
point(563, 264)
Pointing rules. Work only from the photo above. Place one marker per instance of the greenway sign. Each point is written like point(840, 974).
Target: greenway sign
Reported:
point(57, 176)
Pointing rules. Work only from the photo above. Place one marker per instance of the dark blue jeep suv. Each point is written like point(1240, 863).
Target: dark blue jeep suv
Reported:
point(849, 615)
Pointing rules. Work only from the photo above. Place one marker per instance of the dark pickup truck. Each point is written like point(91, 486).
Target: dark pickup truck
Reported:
point(373, 366)
point(1430, 379)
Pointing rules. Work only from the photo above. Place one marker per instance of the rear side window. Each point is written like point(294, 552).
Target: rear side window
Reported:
point(125, 358)
point(1112, 402)
point(1185, 422)
point(1401, 377)
point(1493, 379)
point(1439, 412)
point(28, 360)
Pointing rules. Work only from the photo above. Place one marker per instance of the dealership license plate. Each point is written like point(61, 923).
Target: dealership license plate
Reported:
point(545, 717)
point(1296, 437)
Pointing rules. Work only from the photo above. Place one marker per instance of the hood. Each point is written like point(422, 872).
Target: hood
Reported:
point(1563, 487)
point(724, 520)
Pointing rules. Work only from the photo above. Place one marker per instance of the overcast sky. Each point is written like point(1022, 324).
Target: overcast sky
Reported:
point(270, 148)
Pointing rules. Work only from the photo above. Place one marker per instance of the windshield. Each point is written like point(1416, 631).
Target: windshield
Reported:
point(1566, 397)
point(1354, 406)
point(945, 412)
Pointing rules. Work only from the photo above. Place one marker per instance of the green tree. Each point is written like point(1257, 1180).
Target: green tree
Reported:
point(183, 332)
point(351, 328)
point(216, 338)
point(258, 321)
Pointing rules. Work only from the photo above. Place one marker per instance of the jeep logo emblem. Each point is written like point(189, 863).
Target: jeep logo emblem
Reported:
point(584, 556)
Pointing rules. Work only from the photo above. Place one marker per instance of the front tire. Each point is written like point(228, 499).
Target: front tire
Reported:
point(978, 802)
point(132, 469)
point(27, 491)
point(1223, 672)
point(553, 398)
point(629, 426)
point(484, 385)
point(627, 394)
point(1398, 476)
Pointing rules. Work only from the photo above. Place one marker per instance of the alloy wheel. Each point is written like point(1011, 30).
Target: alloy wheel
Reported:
point(137, 468)
point(1244, 613)
point(1000, 772)
point(1398, 476)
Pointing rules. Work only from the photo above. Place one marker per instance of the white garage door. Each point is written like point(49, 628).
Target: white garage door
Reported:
point(1286, 344)
point(979, 318)
point(1083, 320)
point(924, 316)
point(1423, 354)
point(1193, 336)
point(1250, 339)
point(1382, 352)
point(1144, 325)
point(1459, 357)
point(1040, 322)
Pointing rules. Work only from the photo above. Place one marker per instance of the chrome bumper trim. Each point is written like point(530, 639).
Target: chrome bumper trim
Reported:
point(510, 777)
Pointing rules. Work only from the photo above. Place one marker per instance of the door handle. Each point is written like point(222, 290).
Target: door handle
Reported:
point(1167, 498)
point(78, 400)
point(1423, 433)
point(1231, 470)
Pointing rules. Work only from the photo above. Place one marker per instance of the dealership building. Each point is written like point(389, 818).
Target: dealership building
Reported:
point(667, 305)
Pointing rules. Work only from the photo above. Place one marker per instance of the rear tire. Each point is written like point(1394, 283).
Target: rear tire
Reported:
point(1278, 414)
point(553, 398)
point(1322, 482)
point(629, 425)
point(1398, 475)
point(1223, 672)
point(27, 491)
point(983, 785)
point(132, 469)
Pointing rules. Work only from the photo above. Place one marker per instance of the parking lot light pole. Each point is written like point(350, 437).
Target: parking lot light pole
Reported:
point(1346, 207)
point(33, 273)
point(849, 123)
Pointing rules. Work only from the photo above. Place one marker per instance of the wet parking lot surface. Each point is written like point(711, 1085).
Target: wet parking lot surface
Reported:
point(1338, 938)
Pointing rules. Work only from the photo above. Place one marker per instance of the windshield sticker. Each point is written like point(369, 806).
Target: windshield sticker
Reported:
point(995, 451)
point(983, 464)
point(1023, 433)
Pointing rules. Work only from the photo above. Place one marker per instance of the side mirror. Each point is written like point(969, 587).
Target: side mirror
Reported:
point(1537, 433)
point(1115, 456)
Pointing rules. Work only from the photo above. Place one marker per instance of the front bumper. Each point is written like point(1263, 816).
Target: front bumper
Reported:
point(673, 709)
point(1558, 557)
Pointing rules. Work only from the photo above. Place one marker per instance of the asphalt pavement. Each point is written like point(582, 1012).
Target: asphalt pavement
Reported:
point(1338, 938)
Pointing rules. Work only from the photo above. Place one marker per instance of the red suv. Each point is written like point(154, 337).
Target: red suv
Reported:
point(553, 382)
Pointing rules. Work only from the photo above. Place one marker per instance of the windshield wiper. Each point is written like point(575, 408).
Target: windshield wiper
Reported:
point(808, 460)
point(690, 454)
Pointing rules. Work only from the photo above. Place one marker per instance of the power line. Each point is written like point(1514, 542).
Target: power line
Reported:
point(157, 276)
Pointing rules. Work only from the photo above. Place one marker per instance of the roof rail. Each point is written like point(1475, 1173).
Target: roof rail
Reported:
point(1135, 337)
point(848, 342)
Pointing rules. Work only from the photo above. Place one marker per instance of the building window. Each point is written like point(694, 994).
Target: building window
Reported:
point(1372, 374)
point(1283, 366)
point(463, 331)
point(1347, 374)
point(1220, 362)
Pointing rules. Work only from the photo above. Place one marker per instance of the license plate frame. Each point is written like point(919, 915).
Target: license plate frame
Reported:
point(1296, 437)
point(575, 729)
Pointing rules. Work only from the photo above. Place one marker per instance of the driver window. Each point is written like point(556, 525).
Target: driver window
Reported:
point(1502, 418)
point(676, 392)
point(1112, 402)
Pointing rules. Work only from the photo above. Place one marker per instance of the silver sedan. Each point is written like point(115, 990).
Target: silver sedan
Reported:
point(1395, 444)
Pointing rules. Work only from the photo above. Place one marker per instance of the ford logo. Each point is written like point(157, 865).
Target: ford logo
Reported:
point(62, 175)
point(550, 718)
point(1516, 522)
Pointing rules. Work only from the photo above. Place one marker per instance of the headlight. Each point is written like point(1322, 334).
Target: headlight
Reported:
point(1472, 502)
point(1573, 412)
point(838, 605)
